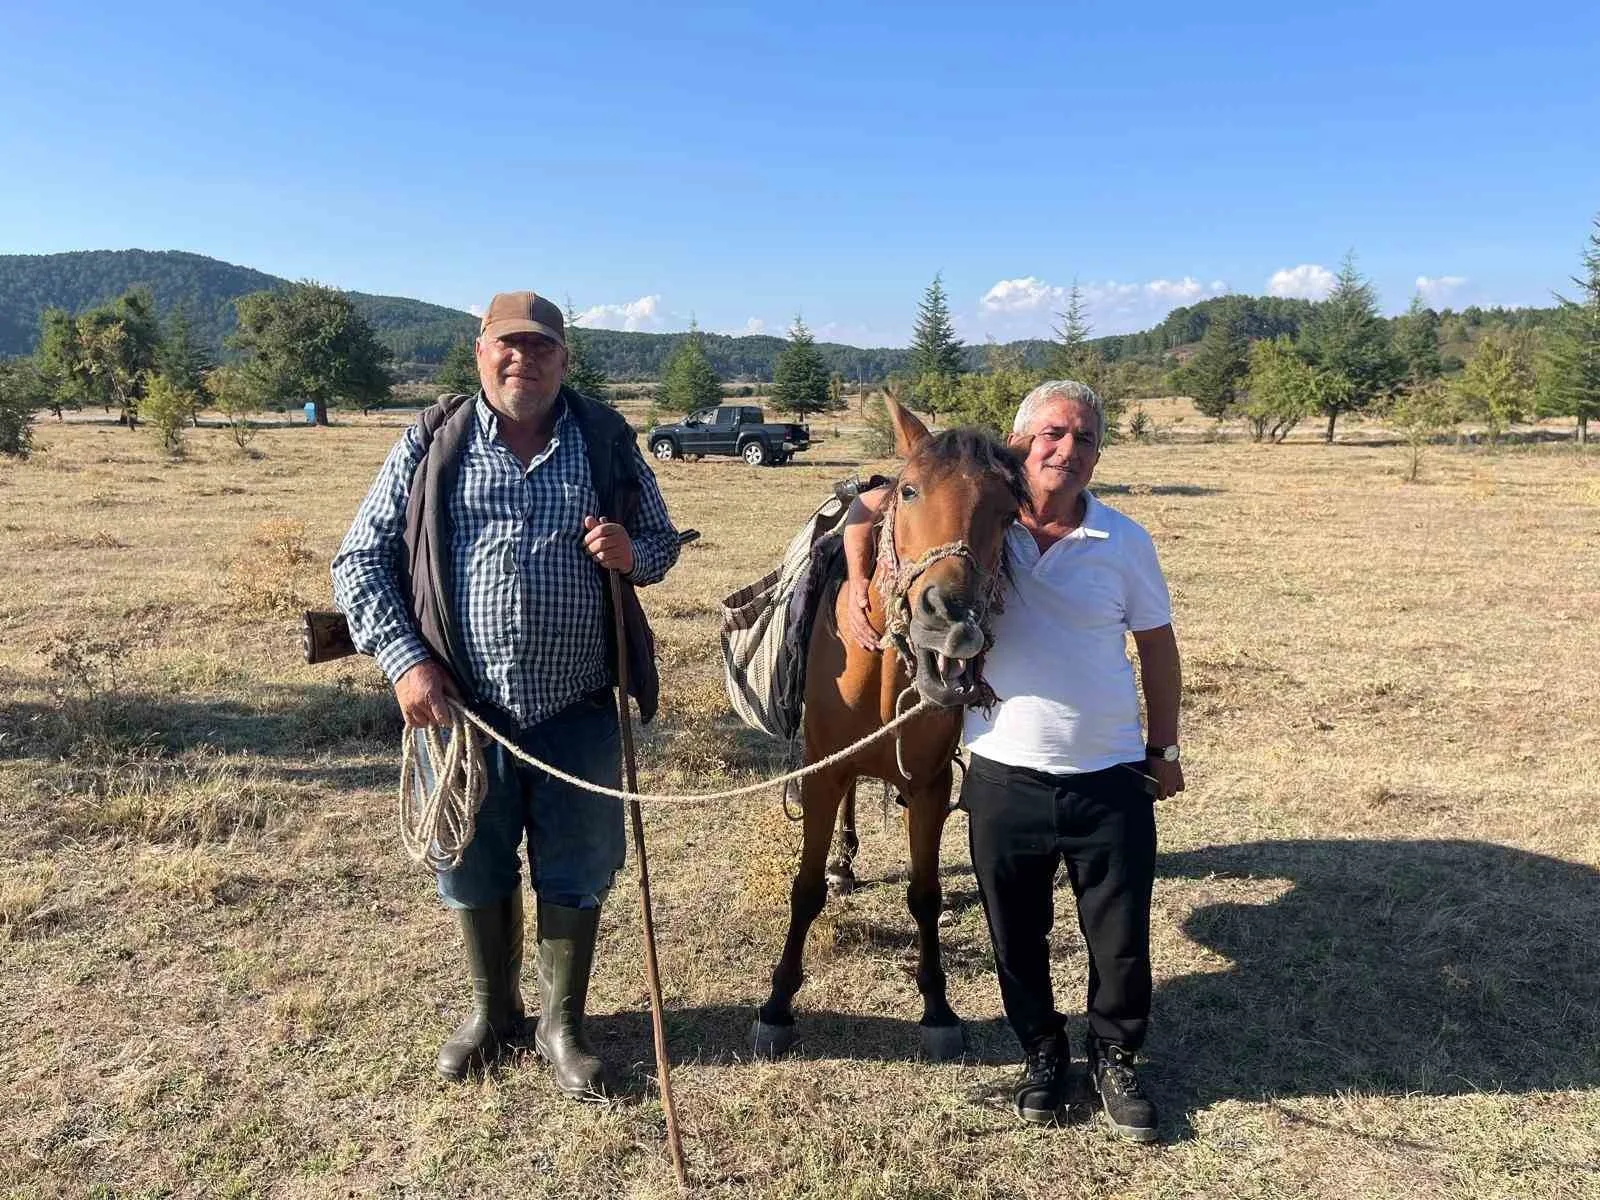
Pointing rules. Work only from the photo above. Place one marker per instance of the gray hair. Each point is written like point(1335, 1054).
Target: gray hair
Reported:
point(1052, 390)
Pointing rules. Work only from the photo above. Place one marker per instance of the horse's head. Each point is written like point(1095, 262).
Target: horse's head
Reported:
point(941, 551)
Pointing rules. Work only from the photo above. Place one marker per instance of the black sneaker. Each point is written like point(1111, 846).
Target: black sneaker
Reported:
point(1041, 1097)
point(1128, 1109)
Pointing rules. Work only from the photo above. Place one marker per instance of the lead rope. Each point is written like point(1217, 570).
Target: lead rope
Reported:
point(437, 822)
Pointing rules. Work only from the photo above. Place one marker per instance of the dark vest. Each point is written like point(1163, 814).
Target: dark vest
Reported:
point(445, 429)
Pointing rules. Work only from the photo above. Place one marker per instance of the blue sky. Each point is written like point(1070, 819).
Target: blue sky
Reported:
point(742, 164)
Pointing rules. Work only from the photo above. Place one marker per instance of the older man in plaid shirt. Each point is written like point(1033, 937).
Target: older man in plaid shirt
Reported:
point(471, 571)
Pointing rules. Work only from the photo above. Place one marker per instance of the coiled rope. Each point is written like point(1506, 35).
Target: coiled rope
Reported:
point(437, 822)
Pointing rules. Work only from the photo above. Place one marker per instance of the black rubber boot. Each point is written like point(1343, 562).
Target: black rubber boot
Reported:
point(1041, 1096)
point(493, 938)
point(566, 955)
point(1130, 1112)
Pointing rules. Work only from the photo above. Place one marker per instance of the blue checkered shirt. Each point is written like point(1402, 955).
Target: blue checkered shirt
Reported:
point(529, 599)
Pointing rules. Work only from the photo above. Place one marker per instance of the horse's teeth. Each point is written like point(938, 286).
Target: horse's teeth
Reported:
point(941, 662)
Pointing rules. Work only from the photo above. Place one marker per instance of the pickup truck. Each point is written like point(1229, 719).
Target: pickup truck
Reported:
point(736, 429)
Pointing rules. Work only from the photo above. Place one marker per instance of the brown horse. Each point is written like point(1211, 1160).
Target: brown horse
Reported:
point(934, 591)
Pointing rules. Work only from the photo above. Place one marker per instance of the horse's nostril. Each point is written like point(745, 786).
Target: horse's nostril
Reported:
point(939, 605)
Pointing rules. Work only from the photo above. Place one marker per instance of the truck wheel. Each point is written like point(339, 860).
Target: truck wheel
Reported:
point(754, 453)
point(664, 449)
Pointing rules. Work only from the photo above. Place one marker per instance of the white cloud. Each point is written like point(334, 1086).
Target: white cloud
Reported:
point(753, 326)
point(1437, 290)
point(644, 313)
point(476, 310)
point(1027, 294)
point(1308, 281)
point(1029, 306)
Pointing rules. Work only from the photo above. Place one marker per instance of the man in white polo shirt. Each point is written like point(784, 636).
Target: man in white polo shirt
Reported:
point(1061, 769)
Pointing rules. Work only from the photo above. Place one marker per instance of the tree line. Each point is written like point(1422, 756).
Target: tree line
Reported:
point(1276, 363)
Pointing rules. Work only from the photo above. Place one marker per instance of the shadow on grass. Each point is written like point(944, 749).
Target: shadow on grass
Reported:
point(1392, 967)
point(720, 1034)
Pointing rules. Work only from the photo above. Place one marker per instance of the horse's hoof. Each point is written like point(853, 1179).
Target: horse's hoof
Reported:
point(841, 883)
point(943, 1043)
point(770, 1041)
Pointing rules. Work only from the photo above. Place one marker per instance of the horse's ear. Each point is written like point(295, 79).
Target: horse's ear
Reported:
point(909, 431)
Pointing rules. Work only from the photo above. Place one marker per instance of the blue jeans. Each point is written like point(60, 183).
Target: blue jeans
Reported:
point(576, 841)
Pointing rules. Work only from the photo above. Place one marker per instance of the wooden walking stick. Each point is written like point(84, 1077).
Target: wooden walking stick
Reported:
point(651, 969)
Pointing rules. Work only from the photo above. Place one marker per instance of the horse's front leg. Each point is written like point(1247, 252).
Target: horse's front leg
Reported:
point(943, 1035)
point(841, 863)
point(773, 1032)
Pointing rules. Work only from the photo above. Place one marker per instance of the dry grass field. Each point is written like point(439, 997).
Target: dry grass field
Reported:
point(1378, 972)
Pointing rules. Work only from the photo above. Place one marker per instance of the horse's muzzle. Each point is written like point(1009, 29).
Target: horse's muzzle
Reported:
point(947, 661)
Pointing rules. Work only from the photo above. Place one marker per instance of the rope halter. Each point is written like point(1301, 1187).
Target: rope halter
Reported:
point(896, 579)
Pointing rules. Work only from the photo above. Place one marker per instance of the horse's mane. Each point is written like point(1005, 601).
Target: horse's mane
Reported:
point(974, 449)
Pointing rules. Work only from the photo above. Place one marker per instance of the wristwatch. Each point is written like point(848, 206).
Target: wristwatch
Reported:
point(1164, 753)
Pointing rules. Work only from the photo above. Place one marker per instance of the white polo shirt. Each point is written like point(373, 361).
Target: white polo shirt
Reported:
point(1059, 663)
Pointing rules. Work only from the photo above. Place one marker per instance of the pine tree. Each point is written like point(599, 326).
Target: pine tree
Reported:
point(1213, 376)
point(689, 382)
point(1074, 358)
point(584, 374)
point(1569, 377)
point(1416, 340)
point(800, 382)
point(458, 372)
point(1497, 385)
point(23, 389)
point(1347, 341)
point(936, 352)
point(184, 361)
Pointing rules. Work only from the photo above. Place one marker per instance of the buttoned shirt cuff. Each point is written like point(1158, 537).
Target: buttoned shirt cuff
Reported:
point(400, 655)
point(653, 554)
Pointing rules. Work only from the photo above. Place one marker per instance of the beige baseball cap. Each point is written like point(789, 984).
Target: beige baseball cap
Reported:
point(523, 312)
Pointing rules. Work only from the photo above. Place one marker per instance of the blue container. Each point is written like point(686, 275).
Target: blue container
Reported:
point(311, 412)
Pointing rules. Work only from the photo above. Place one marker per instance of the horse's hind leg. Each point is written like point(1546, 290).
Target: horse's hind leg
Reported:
point(773, 1033)
point(841, 866)
point(943, 1036)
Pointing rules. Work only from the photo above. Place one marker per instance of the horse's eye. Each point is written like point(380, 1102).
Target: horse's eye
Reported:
point(908, 491)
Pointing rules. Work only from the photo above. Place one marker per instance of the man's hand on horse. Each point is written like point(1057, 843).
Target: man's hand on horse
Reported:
point(423, 692)
point(856, 609)
point(608, 544)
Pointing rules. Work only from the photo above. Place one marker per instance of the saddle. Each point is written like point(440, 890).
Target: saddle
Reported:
point(766, 625)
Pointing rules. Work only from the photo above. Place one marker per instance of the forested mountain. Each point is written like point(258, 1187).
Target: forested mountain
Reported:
point(419, 332)
point(205, 287)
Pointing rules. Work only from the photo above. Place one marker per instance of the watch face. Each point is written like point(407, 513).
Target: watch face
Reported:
point(1170, 754)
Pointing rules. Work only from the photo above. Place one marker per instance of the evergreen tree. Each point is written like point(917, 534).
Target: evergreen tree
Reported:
point(800, 382)
point(1212, 377)
point(936, 352)
point(1074, 357)
point(308, 342)
point(166, 408)
point(1497, 385)
point(1421, 413)
point(1416, 340)
point(458, 373)
point(57, 360)
point(184, 361)
point(1569, 379)
point(584, 373)
point(1348, 342)
point(23, 390)
point(689, 383)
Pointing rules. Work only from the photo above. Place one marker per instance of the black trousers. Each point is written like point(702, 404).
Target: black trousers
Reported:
point(1023, 824)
